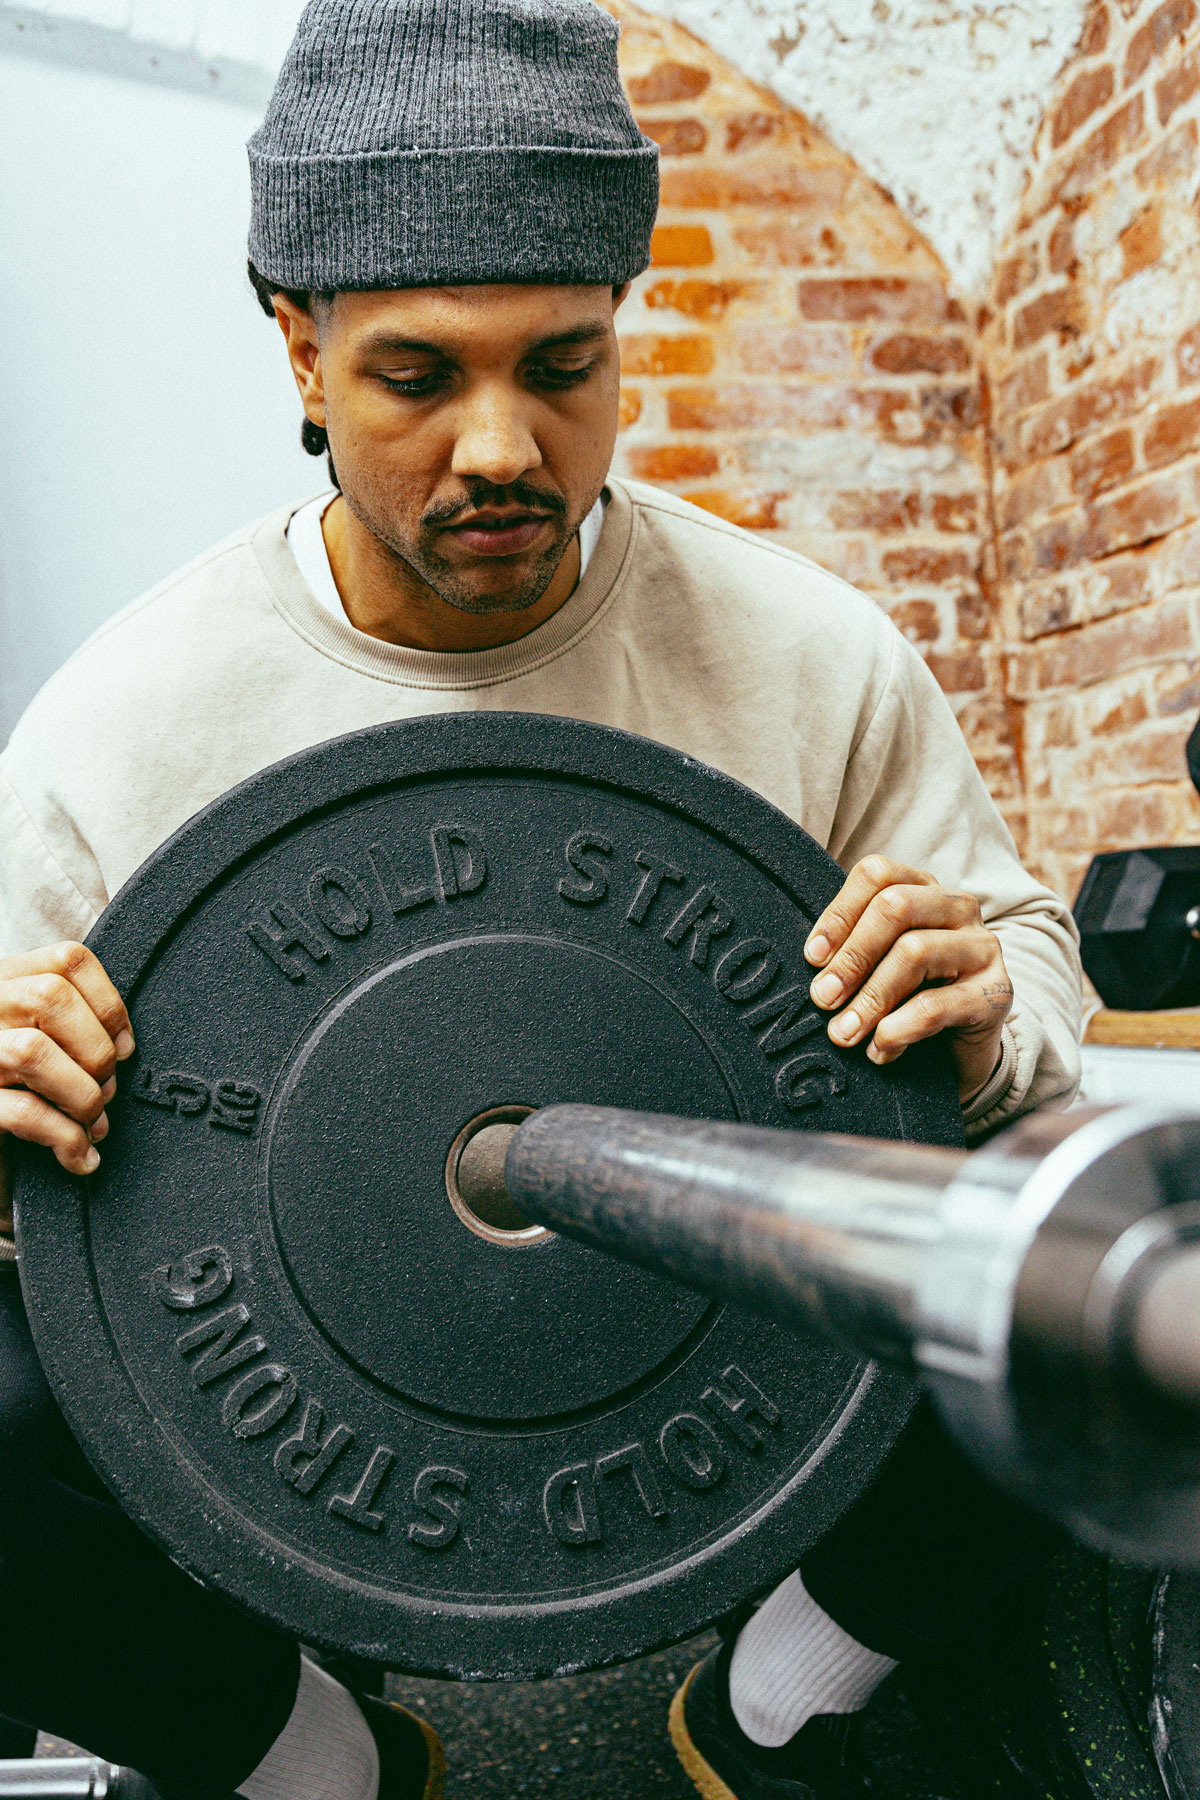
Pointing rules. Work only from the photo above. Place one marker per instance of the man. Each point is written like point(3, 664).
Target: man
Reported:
point(450, 199)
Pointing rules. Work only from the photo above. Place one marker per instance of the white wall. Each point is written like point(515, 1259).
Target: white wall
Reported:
point(148, 409)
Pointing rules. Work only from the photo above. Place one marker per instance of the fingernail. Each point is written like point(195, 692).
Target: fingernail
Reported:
point(109, 1089)
point(123, 1045)
point(91, 1162)
point(846, 1029)
point(99, 1129)
point(817, 948)
point(826, 990)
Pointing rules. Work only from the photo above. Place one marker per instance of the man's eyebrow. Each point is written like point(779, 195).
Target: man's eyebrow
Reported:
point(390, 343)
point(590, 333)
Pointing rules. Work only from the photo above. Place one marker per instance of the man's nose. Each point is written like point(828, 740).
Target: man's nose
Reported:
point(495, 441)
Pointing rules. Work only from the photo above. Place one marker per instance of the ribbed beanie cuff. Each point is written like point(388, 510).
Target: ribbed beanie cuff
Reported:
point(419, 143)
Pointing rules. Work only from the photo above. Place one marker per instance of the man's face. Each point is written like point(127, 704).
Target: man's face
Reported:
point(471, 427)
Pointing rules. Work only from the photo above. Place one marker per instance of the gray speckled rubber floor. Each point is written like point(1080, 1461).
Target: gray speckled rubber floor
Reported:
point(603, 1736)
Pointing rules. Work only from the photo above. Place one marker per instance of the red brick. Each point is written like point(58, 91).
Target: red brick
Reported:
point(1061, 253)
point(917, 619)
point(1177, 690)
point(1016, 272)
point(1099, 403)
point(873, 509)
point(792, 244)
point(676, 137)
point(1123, 131)
point(1095, 30)
point(647, 355)
point(1047, 609)
point(1151, 754)
point(667, 81)
point(1119, 712)
point(1014, 556)
point(1104, 649)
point(1028, 385)
point(699, 299)
point(681, 246)
point(1171, 161)
point(1177, 87)
point(1033, 492)
point(1187, 355)
point(630, 408)
point(1173, 432)
point(898, 416)
point(908, 354)
point(939, 568)
point(972, 614)
point(1140, 515)
point(1087, 94)
point(774, 183)
point(803, 349)
point(959, 672)
point(1141, 242)
point(1121, 582)
point(1103, 463)
point(1124, 820)
point(1061, 542)
point(955, 512)
point(1059, 310)
point(1166, 26)
point(756, 512)
point(862, 299)
point(751, 130)
point(674, 462)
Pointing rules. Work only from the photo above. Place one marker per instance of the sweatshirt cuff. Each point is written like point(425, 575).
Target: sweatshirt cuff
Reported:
point(996, 1085)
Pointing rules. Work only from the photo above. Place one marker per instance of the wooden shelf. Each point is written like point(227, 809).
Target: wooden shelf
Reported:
point(1146, 1030)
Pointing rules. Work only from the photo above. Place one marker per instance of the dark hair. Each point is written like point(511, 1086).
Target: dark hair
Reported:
point(314, 438)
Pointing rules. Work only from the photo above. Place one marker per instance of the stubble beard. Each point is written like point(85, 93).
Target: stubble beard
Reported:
point(526, 586)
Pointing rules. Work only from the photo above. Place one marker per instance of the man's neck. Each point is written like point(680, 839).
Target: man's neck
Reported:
point(387, 600)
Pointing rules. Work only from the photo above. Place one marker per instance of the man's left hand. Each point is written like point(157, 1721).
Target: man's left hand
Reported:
point(912, 959)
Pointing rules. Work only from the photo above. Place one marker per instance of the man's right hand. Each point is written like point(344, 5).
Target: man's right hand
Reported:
point(63, 1030)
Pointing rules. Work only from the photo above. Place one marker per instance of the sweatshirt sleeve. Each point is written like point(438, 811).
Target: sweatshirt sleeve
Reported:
point(39, 903)
point(913, 792)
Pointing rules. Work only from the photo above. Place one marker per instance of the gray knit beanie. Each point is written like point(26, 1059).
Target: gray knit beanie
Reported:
point(419, 143)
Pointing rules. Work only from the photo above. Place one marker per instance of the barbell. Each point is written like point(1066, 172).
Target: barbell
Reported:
point(1046, 1288)
point(435, 1434)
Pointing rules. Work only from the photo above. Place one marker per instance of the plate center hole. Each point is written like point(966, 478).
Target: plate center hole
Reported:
point(475, 1179)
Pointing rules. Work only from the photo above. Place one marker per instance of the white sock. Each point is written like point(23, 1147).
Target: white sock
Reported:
point(791, 1662)
point(324, 1752)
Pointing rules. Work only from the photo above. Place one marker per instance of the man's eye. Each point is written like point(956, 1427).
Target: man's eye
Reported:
point(555, 376)
point(415, 386)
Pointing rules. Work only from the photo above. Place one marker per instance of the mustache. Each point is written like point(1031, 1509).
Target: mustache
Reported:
point(516, 496)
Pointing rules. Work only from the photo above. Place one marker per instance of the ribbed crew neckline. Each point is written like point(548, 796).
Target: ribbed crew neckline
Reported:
point(446, 669)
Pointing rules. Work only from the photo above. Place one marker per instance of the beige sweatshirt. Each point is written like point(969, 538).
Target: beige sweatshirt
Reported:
point(683, 628)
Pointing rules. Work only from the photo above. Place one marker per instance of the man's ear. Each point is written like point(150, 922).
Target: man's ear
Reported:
point(621, 294)
point(299, 329)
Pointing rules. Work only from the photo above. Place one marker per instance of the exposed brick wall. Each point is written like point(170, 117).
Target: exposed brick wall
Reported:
point(1092, 348)
point(795, 361)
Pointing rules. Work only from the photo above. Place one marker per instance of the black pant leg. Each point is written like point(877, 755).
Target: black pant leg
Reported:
point(103, 1640)
point(922, 1553)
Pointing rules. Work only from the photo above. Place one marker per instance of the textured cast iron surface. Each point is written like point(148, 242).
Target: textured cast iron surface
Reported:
point(285, 1353)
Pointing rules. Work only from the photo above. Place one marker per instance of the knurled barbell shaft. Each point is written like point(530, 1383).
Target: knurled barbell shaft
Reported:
point(1045, 1285)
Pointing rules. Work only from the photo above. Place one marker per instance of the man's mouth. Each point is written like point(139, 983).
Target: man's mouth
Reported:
point(500, 534)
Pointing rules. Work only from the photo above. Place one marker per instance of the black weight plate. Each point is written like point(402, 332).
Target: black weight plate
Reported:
point(412, 1443)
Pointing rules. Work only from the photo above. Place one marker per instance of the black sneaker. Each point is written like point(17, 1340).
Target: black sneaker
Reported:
point(820, 1763)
